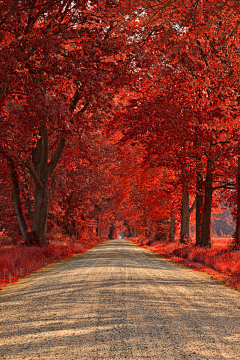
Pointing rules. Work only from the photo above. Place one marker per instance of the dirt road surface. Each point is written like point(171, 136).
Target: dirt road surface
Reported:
point(119, 301)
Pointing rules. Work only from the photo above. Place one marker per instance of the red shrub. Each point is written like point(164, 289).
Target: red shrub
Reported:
point(219, 258)
point(19, 261)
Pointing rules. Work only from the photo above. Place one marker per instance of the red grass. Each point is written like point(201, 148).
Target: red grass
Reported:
point(221, 242)
point(221, 263)
point(19, 261)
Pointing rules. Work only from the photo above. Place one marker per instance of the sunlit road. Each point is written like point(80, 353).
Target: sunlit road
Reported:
point(119, 301)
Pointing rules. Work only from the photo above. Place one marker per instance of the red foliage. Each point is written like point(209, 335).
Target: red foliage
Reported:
point(19, 261)
point(220, 262)
point(165, 82)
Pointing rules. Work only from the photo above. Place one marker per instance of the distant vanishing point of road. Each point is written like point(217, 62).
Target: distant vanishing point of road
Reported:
point(119, 301)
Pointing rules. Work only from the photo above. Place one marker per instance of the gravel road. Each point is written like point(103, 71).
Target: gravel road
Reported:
point(119, 301)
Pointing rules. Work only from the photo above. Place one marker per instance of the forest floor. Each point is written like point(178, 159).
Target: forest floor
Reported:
point(19, 261)
point(119, 301)
point(220, 262)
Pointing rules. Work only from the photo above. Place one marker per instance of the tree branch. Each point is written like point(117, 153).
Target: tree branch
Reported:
point(74, 101)
point(56, 156)
point(3, 89)
point(83, 109)
point(44, 157)
point(202, 53)
point(193, 206)
point(54, 144)
point(62, 142)
point(225, 186)
point(34, 174)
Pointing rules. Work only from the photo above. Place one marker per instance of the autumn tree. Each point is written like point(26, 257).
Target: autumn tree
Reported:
point(186, 95)
point(55, 81)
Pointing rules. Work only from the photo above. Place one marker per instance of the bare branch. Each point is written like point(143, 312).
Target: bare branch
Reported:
point(225, 186)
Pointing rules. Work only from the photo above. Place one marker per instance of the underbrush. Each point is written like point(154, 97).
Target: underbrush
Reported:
point(20, 261)
point(219, 261)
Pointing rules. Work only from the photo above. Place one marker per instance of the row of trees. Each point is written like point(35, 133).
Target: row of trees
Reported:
point(183, 108)
point(159, 78)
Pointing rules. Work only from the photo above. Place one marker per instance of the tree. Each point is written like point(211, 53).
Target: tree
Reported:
point(184, 101)
point(54, 69)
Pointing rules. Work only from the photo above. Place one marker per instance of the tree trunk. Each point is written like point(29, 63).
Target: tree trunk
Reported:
point(172, 227)
point(206, 223)
point(97, 228)
point(17, 199)
point(199, 202)
point(39, 229)
point(237, 232)
point(161, 231)
point(185, 215)
point(135, 231)
point(40, 172)
point(111, 232)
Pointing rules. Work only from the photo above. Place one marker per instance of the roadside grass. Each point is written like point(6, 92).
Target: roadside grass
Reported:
point(220, 261)
point(19, 261)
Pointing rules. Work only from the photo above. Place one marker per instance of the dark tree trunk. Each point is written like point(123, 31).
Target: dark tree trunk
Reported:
point(206, 223)
point(199, 202)
point(97, 229)
point(111, 232)
point(185, 215)
point(128, 232)
point(17, 199)
point(40, 172)
point(134, 231)
point(40, 175)
point(237, 232)
point(172, 227)
point(160, 231)
point(74, 229)
point(39, 228)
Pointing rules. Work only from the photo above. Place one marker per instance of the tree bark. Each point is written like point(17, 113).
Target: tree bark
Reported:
point(184, 214)
point(161, 230)
point(135, 231)
point(39, 229)
point(111, 232)
point(97, 231)
point(206, 223)
point(199, 201)
point(17, 198)
point(40, 171)
point(237, 232)
point(172, 227)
